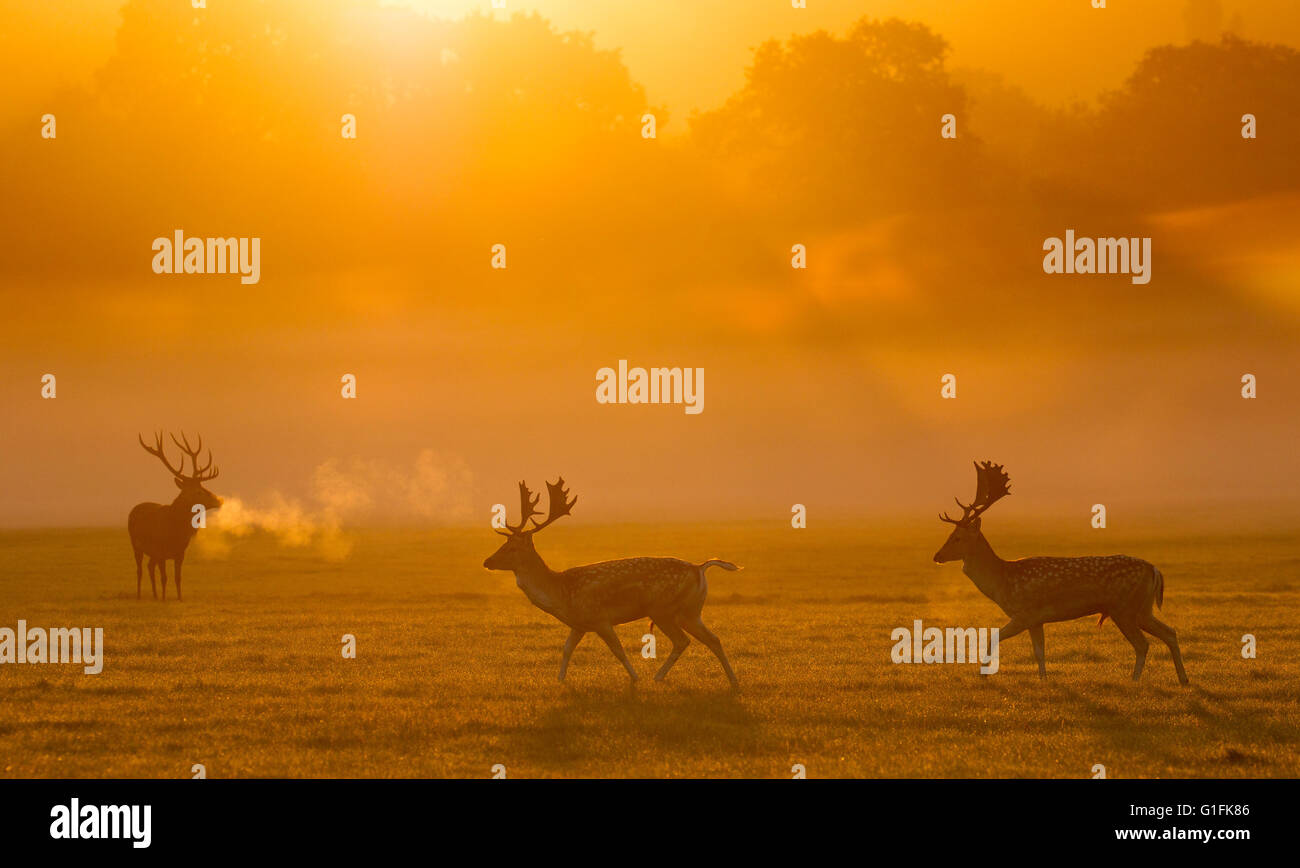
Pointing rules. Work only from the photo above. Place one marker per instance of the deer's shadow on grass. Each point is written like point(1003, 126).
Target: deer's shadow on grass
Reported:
point(1109, 707)
point(652, 723)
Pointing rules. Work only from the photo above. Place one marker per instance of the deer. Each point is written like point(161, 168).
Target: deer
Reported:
point(596, 597)
point(163, 531)
point(1035, 591)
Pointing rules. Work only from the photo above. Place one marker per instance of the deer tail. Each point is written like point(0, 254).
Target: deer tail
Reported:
point(1160, 588)
point(713, 562)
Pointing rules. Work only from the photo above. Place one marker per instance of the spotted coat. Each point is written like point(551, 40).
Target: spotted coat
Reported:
point(1036, 590)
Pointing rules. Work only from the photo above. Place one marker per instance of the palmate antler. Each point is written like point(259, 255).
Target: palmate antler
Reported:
point(991, 483)
point(527, 509)
point(558, 503)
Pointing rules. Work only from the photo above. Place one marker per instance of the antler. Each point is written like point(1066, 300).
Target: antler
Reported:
point(157, 451)
point(991, 483)
point(200, 473)
point(558, 502)
point(527, 509)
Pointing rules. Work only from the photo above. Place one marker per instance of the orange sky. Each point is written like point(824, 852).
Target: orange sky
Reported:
point(822, 386)
point(692, 53)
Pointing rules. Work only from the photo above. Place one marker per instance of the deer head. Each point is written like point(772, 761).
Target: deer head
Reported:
point(517, 551)
point(991, 483)
point(192, 492)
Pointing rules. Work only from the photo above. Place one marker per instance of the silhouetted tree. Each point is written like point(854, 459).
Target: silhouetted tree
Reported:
point(1171, 136)
point(846, 127)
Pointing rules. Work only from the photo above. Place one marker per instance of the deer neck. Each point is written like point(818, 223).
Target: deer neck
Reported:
point(540, 584)
point(985, 569)
point(183, 514)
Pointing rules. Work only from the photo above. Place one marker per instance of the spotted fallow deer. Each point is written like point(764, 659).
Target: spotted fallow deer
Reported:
point(163, 531)
point(595, 597)
point(1035, 591)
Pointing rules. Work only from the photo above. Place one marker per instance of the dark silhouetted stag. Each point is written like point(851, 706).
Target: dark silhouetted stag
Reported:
point(593, 598)
point(1035, 591)
point(162, 532)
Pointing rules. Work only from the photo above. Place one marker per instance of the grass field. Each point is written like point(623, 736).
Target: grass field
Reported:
point(456, 671)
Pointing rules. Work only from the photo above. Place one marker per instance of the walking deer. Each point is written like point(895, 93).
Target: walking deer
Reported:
point(163, 531)
point(595, 597)
point(1035, 591)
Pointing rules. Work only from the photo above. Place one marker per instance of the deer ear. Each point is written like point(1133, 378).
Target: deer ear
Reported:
point(180, 483)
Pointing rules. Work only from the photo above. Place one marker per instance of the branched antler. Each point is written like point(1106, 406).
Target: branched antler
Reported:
point(157, 451)
point(201, 474)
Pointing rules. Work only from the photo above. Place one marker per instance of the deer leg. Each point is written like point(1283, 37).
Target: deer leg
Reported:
point(153, 577)
point(606, 632)
point(139, 571)
point(696, 628)
point(1169, 636)
point(180, 560)
point(679, 639)
point(575, 636)
point(1036, 637)
point(1128, 626)
point(1013, 627)
point(162, 570)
